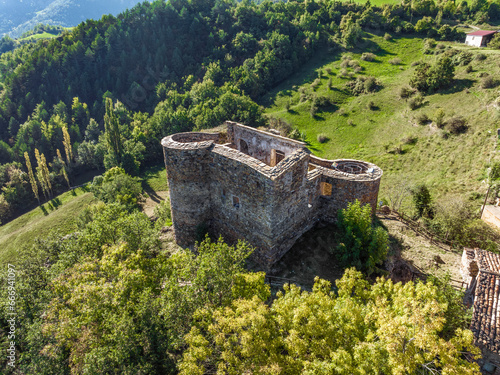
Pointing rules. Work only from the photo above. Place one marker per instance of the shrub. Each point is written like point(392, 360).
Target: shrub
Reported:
point(440, 118)
point(462, 58)
point(488, 82)
point(405, 92)
point(468, 69)
point(429, 78)
point(457, 125)
point(495, 42)
point(322, 138)
point(411, 140)
point(371, 106)
point(328, 70)
point(361, 244)
point(297, 135)
point(429, 43)
point(395, 61)
point(415, 63)
point(423, 119)
point(363, 85)
point(163, 213)
point(480, 57)
point(316, 83)
point(416, 102)
point(368, 56)
point(313, 110)
point(387, 36)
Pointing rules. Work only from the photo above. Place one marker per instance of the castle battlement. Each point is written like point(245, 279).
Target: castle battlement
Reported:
point(258, 186)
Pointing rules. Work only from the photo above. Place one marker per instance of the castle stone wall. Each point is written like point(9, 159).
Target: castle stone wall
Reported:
point(261, 143)
point(240, 196)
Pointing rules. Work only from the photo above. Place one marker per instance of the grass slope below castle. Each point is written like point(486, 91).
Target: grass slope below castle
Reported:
point(60, 215)
point(389, 134)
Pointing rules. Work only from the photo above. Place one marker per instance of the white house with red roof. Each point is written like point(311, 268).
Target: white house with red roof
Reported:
point(479, 38)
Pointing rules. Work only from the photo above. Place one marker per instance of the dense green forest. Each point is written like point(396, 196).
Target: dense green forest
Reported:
point(108, 298)
point(171, 67)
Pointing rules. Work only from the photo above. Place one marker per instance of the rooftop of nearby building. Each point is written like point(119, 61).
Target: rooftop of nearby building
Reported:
point(482, 33)
point(486, 317)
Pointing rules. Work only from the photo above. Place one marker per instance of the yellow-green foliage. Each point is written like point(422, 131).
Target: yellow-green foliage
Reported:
point(384, 328)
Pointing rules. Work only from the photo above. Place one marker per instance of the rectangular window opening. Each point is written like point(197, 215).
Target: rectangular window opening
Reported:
point(326, 189)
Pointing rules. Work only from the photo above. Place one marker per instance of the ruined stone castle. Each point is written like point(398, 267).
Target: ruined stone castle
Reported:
point(257, 186)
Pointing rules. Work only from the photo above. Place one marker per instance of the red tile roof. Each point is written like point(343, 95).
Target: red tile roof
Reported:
point(482, 33)
point(485, 322)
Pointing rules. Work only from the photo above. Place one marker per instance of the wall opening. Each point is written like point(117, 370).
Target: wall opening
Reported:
point(326, 189)
point(243, 146)
point(236, 201)
point(276, 156)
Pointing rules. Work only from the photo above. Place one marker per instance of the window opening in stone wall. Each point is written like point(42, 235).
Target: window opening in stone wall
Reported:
point(326, 189)
point(280, 155)
point(236, 201)
point(243, 146)
point(276, 156)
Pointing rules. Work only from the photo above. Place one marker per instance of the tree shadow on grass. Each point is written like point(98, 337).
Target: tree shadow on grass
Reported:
point(44, 210)
point(151, 192)
point(458, 86)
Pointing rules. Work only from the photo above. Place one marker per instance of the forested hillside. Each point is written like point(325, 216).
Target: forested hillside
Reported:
point(176, 66)
point(117, 296)
point(17, 16)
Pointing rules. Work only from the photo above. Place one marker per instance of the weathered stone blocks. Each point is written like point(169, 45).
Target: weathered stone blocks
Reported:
point(260, 187)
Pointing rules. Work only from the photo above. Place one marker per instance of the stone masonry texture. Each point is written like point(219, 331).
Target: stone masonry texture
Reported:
point(259, 187)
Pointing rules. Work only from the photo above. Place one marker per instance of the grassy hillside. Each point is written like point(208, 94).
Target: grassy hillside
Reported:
point(59, 214)
point(381, 128)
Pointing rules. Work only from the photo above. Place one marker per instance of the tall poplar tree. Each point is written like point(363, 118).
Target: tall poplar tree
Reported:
point(34, 185)
point(67, 144)
point(112, 133)
point(65, 174)
point(42, 172)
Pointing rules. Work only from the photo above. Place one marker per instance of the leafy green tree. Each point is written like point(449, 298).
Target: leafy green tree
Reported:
point(131, 308)
point(112, 135)
point(117, 186)
point(382, 328)
point(361, 244)
point(429, 79)
point(423, 201)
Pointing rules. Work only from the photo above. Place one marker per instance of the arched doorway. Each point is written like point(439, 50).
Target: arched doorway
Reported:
point(243, 146)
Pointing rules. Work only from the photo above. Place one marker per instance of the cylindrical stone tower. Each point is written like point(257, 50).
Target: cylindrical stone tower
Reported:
point(186, 159)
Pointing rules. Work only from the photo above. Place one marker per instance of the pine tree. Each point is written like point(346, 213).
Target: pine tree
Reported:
point(67, 145)
point(65, 174)
point(33, 182)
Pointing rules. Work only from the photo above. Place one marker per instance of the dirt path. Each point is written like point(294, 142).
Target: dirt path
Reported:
point(427, 257)
point(152, 200)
